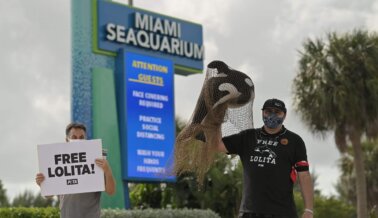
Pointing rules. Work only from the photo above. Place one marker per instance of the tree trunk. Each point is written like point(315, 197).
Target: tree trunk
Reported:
point(359, 167)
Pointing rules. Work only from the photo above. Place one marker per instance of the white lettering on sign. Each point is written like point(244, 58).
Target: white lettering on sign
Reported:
point(138, 94)
point(165, 27)
point(148, 153)
point(155, 33)
point(149, 135)
point(157, 97)
point(151, 161)
point(150, 127)
point(150, 169)
point(152, 104)
point(158, 153)
point(150, 119)
point(142, 152)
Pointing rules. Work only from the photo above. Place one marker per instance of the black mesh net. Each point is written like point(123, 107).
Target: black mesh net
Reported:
point(225, 103)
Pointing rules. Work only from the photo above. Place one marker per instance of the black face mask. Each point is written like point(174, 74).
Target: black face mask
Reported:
point(272, 120)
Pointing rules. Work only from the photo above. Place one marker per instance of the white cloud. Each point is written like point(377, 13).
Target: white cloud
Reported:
point(211, 50)
point(306, 19)
point(34, 85)
point(252, 71)
point(52, 106)
point(372, 19)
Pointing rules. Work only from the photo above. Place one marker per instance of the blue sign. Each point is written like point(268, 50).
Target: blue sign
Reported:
point(146, 98)
point(148, 33)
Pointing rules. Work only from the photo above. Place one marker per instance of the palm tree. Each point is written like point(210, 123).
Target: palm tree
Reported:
point(337, 89)
point(346, 184)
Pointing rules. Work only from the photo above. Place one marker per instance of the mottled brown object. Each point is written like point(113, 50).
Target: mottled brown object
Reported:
point(226, 97)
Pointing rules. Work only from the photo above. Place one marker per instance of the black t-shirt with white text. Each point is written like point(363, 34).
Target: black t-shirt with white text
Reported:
point(267, 163)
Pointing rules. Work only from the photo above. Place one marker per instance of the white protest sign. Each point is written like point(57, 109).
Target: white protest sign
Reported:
point(70, 167)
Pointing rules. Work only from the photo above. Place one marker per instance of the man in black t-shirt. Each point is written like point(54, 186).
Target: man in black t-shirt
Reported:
point(271, 156)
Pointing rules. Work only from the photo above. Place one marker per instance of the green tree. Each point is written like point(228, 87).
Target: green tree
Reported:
point(336, 89)
point(28, 199)
point(3, 196)
point(346, 184)
point(40, 201)
point(146, 195)
point(24, 199)
point(326, 207)
point(221, 191)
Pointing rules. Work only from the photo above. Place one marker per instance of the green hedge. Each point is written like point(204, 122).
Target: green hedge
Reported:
point(49, 212)
point(30, 212)
point(153, 213)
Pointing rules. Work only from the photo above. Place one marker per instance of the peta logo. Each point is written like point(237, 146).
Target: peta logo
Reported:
point(72, 181)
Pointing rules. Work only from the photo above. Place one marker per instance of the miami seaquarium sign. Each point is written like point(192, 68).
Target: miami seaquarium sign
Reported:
point(123, 64)
point(148, 49)
point(156, 34)
point(136, 30)
point(146, 98)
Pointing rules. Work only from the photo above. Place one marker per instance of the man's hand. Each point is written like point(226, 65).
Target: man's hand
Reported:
point(109, 179)
point(103, 164)
point(39, 178)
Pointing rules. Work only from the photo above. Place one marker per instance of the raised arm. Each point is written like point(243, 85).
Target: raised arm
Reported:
point(220, 147)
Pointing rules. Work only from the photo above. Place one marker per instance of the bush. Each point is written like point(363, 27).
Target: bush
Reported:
point(52, 212)
point(153, 213)
point(31, 212)
point(325, 207)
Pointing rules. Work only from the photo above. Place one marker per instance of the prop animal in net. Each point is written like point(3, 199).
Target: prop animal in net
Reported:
point(225, 103)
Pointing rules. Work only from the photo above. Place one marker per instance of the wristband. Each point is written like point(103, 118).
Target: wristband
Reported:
point(309, 210)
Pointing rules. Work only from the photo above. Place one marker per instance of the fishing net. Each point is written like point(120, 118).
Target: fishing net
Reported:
point(223, 107)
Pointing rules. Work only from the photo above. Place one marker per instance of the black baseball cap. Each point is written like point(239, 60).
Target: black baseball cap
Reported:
point(274, 103)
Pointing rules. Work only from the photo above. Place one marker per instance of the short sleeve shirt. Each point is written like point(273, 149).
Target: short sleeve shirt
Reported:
point(267, 163)
point(82, 205)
